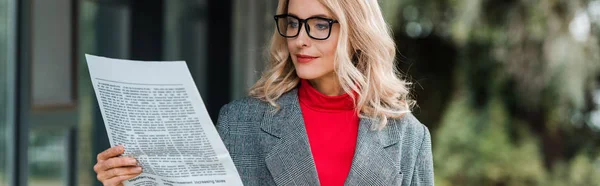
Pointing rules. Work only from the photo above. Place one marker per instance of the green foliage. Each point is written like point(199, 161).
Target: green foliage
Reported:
point(522, 84)
point(473, 147)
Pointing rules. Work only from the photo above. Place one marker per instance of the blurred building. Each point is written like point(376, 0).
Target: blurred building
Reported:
point(510, 90)
point(50, 125)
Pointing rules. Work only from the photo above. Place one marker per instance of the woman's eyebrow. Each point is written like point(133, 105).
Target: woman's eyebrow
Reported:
point(318, 15)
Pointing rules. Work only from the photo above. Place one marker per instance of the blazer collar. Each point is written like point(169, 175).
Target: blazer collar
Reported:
point(375, 161)
point(290, 160)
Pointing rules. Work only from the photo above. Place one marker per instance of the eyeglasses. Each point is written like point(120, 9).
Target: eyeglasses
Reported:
point(318, 28)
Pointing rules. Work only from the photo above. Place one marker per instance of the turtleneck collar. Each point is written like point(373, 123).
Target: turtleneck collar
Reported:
point(311, 97)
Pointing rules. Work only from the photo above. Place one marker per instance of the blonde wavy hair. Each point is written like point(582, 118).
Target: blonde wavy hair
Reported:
point(365, 64)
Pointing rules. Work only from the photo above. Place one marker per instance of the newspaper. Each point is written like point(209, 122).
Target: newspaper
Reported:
point(155, 111)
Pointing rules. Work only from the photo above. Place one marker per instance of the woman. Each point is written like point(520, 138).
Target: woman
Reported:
point(329, 110)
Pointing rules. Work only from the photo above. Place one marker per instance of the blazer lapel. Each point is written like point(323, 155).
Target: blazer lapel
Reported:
point(375, 161)
point(290, 160)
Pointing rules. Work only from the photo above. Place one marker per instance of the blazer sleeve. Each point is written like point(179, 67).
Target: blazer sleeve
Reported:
point(223, 125)
point(423, 173)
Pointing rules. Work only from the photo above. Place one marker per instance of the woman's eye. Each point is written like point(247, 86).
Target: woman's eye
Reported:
point(292, 24)
point(322, 26)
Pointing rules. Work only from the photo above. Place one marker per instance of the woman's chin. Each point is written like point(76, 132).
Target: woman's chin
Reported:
point(306, 74)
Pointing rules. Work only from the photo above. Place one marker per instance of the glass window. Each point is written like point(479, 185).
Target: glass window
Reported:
point(3, 149)
point(6, 80)
point(52, 110)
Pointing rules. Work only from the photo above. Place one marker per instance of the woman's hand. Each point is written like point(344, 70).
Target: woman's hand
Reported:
point(112, 170)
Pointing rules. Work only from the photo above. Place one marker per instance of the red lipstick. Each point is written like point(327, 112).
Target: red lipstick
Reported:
point(305, 58)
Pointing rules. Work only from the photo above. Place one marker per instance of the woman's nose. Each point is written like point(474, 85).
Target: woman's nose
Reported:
point(302, 40)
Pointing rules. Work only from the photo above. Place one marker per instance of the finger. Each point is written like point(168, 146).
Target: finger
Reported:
point(116, 181)
point(107, 175)
point(111, 152)
point(115, 163)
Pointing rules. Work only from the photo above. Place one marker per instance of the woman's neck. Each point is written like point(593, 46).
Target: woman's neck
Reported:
point(328, 85)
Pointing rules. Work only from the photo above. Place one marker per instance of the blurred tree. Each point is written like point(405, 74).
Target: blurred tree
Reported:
point(506, 87)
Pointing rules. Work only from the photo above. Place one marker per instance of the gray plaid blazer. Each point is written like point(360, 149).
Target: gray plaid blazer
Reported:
point(271, 148)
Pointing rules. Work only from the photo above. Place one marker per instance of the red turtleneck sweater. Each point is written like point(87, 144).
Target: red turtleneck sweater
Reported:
point(332, 127)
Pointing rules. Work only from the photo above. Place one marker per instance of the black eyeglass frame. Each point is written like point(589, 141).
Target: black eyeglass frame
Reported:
point(306, 27)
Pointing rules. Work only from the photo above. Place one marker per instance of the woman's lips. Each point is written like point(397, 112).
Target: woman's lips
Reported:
point(305, 58)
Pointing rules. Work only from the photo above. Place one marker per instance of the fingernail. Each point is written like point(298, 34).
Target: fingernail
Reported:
point(138, 169)
point(132, 161)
